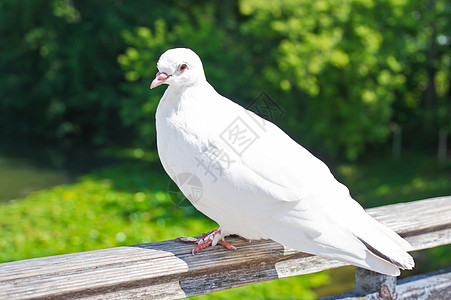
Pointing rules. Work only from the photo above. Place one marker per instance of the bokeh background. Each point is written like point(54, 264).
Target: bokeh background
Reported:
point(363, 84)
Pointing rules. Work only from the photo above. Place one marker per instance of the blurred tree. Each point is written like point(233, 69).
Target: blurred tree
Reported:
point(423, 105)
point(210, 30)
point(338, 64)
point(342, 71)
point(60, 77)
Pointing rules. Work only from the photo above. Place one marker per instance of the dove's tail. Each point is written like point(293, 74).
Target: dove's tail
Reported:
point(386, 245)
point(363, 242)
point(384, 250)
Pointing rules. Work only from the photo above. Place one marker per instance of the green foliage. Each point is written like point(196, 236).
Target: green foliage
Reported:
point(342, 71)
point(377, 182)
point(337, 68)
point(58, 76)
point(342, 63)
point(424, 104)
point(59, 65)
point(95, 213)
point(145, 47)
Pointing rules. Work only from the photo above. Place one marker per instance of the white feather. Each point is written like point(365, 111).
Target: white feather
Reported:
point(274, 188)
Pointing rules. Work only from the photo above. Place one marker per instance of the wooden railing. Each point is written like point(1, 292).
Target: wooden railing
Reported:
point(168, 270)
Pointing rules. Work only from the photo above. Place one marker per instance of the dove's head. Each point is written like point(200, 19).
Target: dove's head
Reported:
point(179, 67)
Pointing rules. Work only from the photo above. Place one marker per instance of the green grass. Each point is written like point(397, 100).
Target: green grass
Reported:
point(128, 203)
point(379, 182)
point(120, 205)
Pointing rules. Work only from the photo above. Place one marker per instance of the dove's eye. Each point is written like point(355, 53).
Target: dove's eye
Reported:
point(183, 67)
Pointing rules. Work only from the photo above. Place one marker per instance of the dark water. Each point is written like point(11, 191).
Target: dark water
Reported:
point(30, 165)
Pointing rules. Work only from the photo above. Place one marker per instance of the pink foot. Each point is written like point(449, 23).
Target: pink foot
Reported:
point(206, 239)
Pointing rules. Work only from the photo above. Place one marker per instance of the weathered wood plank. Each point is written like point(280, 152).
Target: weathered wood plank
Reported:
point(434, 285)
point(168, 270)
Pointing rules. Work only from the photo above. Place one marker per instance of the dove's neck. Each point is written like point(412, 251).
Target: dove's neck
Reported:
point(189, 98)
point(179, 94)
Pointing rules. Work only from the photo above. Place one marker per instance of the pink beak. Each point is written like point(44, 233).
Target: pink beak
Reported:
point(160, 78)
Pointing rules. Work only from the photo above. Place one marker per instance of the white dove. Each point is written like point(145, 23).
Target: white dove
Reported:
point(255, 181)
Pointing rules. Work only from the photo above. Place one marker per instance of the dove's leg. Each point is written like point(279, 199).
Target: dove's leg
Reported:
point(207, 239)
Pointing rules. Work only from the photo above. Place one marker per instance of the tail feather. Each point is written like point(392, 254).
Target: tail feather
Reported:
point(364, 242)
point(377, 264)
point(407, 264)
point(387, 245)
point(392, 235)
point(345, 247)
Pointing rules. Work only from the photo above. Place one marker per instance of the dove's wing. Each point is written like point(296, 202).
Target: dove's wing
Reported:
point(305, 207)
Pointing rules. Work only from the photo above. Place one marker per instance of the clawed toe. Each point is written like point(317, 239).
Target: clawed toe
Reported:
point(206, 239)
point(227, 245)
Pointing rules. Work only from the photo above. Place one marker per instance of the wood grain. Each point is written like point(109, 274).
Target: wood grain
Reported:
point(167, 269)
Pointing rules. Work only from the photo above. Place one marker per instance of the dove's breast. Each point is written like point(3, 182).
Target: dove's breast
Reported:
point(238, 169)
point(192, 139)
